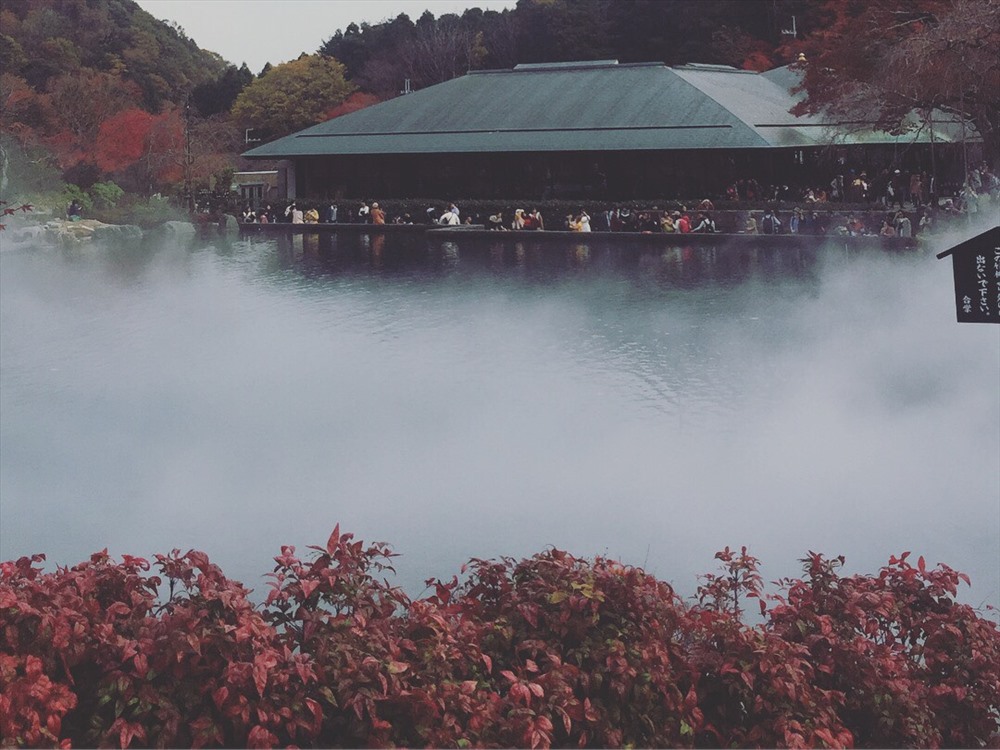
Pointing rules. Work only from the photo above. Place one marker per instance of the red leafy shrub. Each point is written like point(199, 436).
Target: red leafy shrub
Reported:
point(582, 653)
point(755, 689)
point(915, 667)
point(334, 612)
point(61, 632)
point(549, 651)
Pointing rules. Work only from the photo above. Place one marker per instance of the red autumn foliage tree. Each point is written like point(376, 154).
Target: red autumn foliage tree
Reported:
point(146, 151)
point(354, 102)
point(121, 139)
point(552, 651)
point(881, 60)
point(162, 160)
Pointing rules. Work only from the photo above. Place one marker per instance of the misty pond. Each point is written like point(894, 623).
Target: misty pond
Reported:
point(468, 399)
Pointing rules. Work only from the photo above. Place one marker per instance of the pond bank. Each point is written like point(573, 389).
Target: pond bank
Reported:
point(84, 232)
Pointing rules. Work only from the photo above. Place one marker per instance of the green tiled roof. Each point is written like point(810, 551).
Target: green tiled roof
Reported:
point(592, 106)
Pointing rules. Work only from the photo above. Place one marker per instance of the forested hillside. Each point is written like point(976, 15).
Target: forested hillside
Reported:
point(45, 42)
point(94, 90)
point(742, 33)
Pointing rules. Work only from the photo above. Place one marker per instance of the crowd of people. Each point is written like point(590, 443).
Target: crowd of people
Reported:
point(887, 189)
point(329, 213)
point(900, 205)
point(892, 223)
point(768, 221)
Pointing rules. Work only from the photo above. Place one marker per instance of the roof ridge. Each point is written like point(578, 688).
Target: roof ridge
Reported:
point(563, 67)
point(566, 65)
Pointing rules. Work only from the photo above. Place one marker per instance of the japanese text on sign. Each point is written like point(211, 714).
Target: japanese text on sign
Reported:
point(976, 269)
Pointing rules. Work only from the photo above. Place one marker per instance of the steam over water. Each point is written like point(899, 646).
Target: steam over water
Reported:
point(470, 400)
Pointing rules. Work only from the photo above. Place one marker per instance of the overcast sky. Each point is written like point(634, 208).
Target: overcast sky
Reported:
point(275, 31)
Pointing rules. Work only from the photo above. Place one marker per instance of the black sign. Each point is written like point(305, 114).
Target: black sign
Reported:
point(976, 265)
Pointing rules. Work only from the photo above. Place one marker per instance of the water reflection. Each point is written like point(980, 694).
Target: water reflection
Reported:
point(335, 253)
point(481, 398)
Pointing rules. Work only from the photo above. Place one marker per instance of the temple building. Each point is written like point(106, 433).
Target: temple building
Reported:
point(596, 129)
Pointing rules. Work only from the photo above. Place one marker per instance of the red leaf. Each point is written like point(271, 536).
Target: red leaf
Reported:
point(530, 613)
point(129, 732)
point(691, 699)
point(308, 586)
point(567, 721)
point(397, 667)
point(259, 737)
point(260, 677)
point(317, 713)
point(33, 667)
point(331, 543)
point(824, 734)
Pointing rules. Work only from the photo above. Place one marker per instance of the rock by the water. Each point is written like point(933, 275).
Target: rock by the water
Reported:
point(63, 233)
point(178, 230)
point(29, 233)
point(71, 233)
point(118, 233)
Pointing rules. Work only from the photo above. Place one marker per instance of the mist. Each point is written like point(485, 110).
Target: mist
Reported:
point(232, 398)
